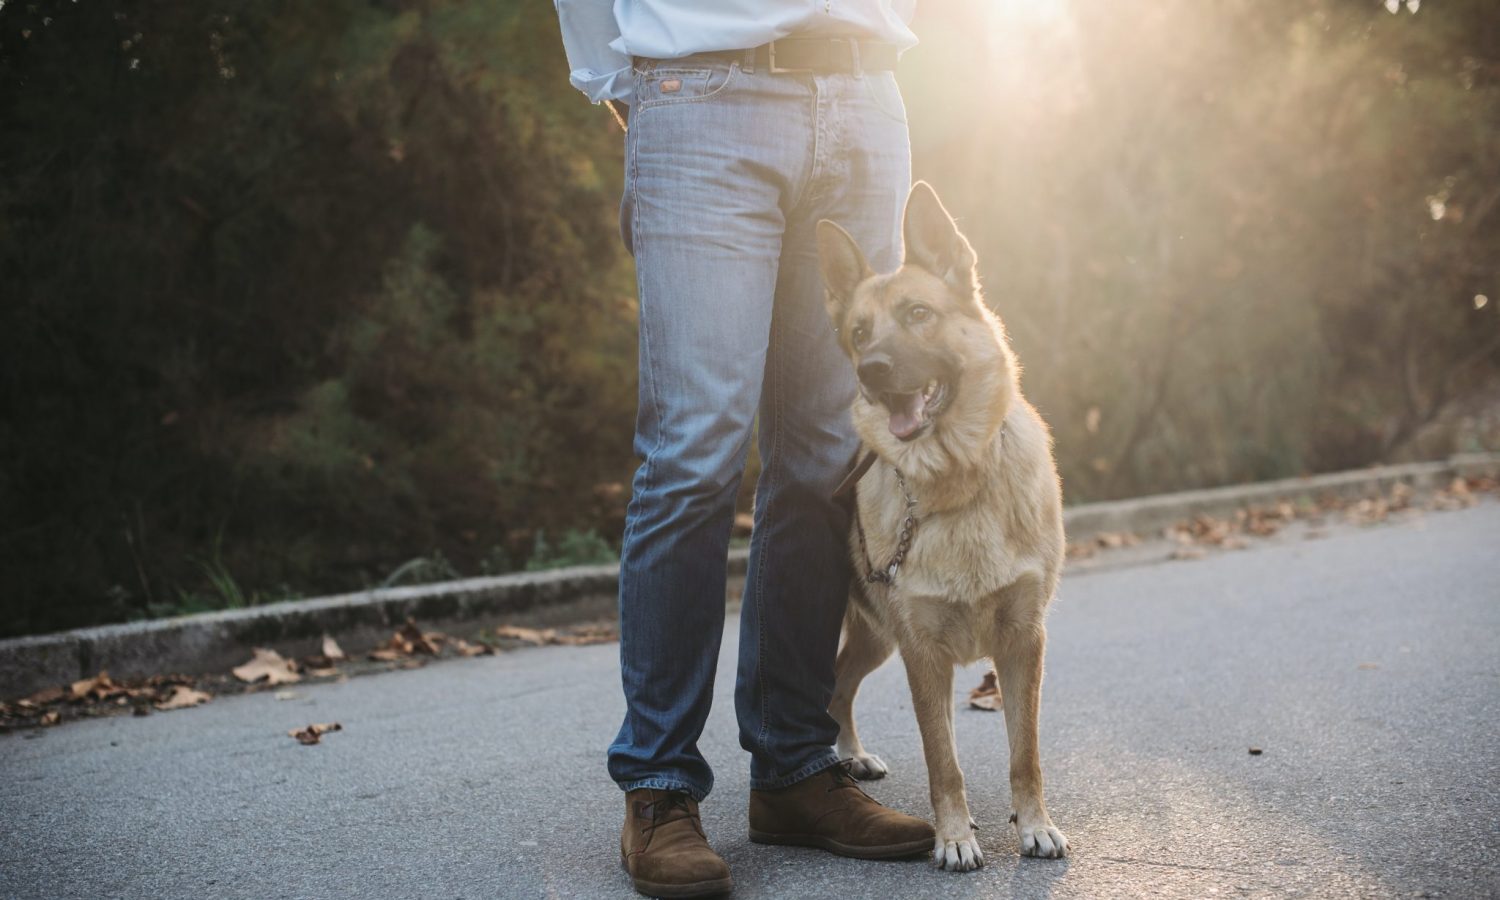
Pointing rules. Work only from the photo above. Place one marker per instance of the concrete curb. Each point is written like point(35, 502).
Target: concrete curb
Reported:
point(215, 642)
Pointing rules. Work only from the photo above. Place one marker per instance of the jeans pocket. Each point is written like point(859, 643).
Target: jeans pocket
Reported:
point(669, 82)
point(885, 94)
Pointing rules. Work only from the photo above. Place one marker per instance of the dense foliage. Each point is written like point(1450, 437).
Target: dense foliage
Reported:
point(305, 297)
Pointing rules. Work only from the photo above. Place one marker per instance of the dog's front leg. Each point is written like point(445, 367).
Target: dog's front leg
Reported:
point(1019, 665)
point(863, 650)
point(931, 679)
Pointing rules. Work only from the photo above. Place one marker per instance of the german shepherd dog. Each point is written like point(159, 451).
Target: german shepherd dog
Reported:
point(957, 541)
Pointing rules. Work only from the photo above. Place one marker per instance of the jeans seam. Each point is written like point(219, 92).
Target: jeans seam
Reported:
point(774, 467)
point(646, 478)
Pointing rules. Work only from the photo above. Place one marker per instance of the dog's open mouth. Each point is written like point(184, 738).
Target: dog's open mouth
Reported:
point(912, 414)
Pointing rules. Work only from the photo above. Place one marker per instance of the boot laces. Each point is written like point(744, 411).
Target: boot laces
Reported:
point(843, 778)
point(662, 808)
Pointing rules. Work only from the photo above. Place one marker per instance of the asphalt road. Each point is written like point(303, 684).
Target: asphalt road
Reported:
point(1366, 664)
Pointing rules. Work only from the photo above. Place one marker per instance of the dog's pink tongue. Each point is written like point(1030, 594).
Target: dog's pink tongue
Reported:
point(907, 418)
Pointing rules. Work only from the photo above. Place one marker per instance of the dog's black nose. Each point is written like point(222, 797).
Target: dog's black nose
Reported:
point(874, 369)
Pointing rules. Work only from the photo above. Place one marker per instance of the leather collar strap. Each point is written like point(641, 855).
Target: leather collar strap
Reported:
point(847, 485)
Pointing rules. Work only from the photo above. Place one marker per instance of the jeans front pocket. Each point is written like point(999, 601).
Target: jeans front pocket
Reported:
point(680, 81)
point(885, 94)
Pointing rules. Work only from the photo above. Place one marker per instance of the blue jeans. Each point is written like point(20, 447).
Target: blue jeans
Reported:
point(728, 171)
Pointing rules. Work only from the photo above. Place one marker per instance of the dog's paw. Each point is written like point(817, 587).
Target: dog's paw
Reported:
point(867, 767)
point(1042, 839)
point(961, 855)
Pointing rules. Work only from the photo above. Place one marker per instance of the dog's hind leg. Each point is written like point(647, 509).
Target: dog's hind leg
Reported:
point(931, 678)
point(862, 652)
point(1018, 662)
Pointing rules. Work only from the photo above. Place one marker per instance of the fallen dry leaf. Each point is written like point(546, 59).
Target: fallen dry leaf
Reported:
point(408, 640)
point(1111, 540)
point(332, 650)
point(584, 635)
point(268, 665)
point(1081, 550)
point(416, 641)
point(44, 697)
point(51, 717)
point(536, 636)
point(313, 734)
point(182, 697)
point(465, 648)
point(100, 687)
point(987, 695)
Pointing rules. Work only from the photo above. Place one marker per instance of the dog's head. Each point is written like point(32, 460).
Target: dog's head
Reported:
point(920, 337)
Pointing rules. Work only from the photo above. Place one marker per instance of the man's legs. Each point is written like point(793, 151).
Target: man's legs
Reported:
point(798, 578)
point(704, 217)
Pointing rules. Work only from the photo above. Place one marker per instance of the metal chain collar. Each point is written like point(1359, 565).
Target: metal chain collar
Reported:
point(903, 543)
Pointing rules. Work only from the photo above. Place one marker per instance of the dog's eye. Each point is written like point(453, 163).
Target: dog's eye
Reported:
point(859, 334)
point(918, 313)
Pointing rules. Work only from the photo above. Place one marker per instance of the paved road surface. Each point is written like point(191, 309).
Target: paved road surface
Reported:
point(1367, 665)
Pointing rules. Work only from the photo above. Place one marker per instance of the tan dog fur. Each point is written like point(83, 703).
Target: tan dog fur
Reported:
point(988, 550)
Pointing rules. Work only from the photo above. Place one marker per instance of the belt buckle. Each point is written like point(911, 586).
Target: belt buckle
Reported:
point(780, 70)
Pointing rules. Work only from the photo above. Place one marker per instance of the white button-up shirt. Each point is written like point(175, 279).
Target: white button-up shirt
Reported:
point(600, 36)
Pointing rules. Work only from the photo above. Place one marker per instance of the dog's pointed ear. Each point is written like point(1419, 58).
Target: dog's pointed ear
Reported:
point(844, 265)
point(934, 243)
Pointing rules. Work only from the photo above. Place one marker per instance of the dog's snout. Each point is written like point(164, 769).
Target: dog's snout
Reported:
point(875, 368)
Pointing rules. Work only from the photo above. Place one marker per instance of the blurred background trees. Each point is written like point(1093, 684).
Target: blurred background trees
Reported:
point(307, 297)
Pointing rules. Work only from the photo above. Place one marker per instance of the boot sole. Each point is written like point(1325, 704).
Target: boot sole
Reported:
point(885, 851)
point(712, 888)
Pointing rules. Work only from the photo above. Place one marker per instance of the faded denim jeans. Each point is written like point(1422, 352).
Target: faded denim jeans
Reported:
point(728, 171)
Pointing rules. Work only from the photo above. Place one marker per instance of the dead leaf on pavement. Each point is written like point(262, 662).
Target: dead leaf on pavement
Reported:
point(535, 636)
point(1112, 540)
point(576, 636)
point(416, 641)
point(465, 648)
point(313, 734)
point(44, 697)
point(1456, 496)
point(268, 665)
point(51, 717)
point(182, 697)
point(987, 695)
point(585, 635)
point(100, 687)
point(407, 641)
point(332, 650)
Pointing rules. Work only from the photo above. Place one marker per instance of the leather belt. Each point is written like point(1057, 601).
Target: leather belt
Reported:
point(821, 55)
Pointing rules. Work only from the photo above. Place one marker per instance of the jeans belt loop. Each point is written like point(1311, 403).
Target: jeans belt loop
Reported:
point(855, 67)
point(748, 63)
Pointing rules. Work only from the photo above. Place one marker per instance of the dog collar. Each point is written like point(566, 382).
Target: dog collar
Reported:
point(855, 474)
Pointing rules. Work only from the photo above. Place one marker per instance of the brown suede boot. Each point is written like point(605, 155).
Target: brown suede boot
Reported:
point(829, 810)
point(664, 849)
